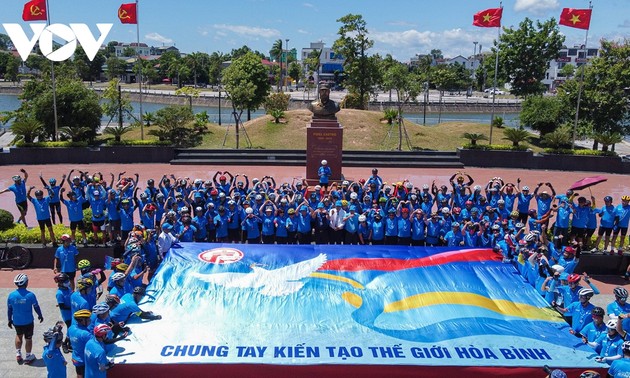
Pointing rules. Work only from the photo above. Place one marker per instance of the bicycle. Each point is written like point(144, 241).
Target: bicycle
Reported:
point(15, 257)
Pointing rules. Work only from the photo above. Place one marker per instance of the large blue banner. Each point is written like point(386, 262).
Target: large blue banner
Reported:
point(322, 304)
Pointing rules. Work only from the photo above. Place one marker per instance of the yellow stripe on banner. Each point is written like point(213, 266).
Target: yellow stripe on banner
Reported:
point(354, 300)
point(333, 277)
point(500, 306)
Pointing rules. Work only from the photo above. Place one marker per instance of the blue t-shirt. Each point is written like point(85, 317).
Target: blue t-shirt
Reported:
point(418, 229)
point(221, 223)
point(22, 302)
point(607, 214)
point(593, 333)
point(251, 227)
point(324, 174)
point(124, 310)
point(378, 230)
point(581, 315)
point(623, 212)
point(580, 216)
point(620, 368)
point(42, 209)
point(562, 220)
point(126, 218)
point(55, 362)
point(63, 296)
point(79, 302)
point(75, 209)
point(53, 191)
point(66, 258)
point(95, 356)
point(610, 347)
point(19, 190)
point(79, 336)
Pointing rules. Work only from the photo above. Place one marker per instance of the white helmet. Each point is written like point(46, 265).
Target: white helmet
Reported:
point(612, 323)
point(324, 162)
point(21, 279)
point(586, 292)
point(345, 183)
point(362, 218)
point(445, 210)
point(558, 268)
point(118, 276)
point(353, 195)
point(100, 308)
point(249, 210)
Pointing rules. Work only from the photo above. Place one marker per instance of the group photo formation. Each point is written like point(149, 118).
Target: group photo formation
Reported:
point(264, 189)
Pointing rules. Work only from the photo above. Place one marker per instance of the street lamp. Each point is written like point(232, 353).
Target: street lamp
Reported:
point(286, 66)
point(472, 63)
point(219, 104)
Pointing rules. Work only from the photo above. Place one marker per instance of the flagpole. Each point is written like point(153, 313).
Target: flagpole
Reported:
point(494, 86)
point(139, 68)
point(579, 98)
point(52, 77)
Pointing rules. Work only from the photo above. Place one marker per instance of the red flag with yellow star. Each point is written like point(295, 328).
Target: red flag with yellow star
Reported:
point(489, 18)
point(35, 10)
point(127, 13)
point(576, 18)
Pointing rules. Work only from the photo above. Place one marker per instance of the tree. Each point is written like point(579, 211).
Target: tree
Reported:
point(88, 70)
point(568, 70)
point(515, 136)
point(117, 131)
point(175, 124)
point(474, 137)
point(524, 54)
point(12, 69)
point(26, 130)
point(148, 118)
point(129, 52)
point(295, 71)
point(276, 104)
point(189, 92)
point(215, 66)
point(246, 83)
point(407, 86)
point(116, 104)
point(197, 64)
point(115, 68)
point(276, 54)
point(353, 44)
point(543, 114)
point(604, 102)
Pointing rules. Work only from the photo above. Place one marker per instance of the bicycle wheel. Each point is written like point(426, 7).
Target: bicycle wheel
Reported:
point(19, 257)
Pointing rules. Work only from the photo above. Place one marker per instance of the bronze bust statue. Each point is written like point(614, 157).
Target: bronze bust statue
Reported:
point(324, 108)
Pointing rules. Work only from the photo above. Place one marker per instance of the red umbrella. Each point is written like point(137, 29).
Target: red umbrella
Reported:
point(587, 182)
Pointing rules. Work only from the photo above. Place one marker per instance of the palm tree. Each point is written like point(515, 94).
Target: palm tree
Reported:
point(117, 131)
point(27, 130)
point(148, 118)
point(607, 139)
point(559, 138)
point(276, 51)
point(515, 136)
point(474, 137)
point(75, 134)
point(276, 114)
point(390, 115)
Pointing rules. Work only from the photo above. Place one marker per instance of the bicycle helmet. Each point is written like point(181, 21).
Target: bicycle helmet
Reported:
point(590, 374)
point(84, 283)
point(445, 210)
point(425, 186)
point(514, 214)
point(324, 162)
point(526, 188)
point(353, 196)
point(84, 264)
point(139, 290)
point(102, 330)
point(621, 293)
point(501, 202)
point(20, 280)
point(496, 227)
point(574, 277)
point(112, 299)
point(586, 292)
point(612, 324)
point(519, 225)
point(598, 311)
point(626, 346)
point(61, 278)
point(118, 276)
point(558, 268)
point(39, 193)
point(362, 218)
point(606, 199)
point(625, 198)
point(100, 308)
point(82, 314)
point(457, 210)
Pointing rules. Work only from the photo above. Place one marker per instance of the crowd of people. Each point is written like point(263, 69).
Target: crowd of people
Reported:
point(540, 231)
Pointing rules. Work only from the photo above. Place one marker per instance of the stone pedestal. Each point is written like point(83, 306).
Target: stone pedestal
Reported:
point(324, 141)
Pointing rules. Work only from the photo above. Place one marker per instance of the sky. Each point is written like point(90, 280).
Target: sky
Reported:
point(402, 28)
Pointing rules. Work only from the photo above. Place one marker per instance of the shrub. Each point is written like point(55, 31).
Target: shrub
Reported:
point(277, 101)
point(390, 115)
point(53, 144)
point(566, 151)
point(276, 114)
point(138, 142)
point(354, 101)
point(515, 136)
point(558, 139)
point(494, 147)
point(24, 235)
point(6, 220)
point(474, 137)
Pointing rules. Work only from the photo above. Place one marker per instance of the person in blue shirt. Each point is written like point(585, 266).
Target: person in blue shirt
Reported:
point(324, 172)
point(126, 211)
point(455, 237)
point(561, 226)
point(128, 308)
point(594, 330)
point(579, 219)
point(610, 344)
point(622, 218)
point(251, 226)
point(96, 361)
point(64, 303)
point(304, 228)
point(74, 206)
point(79, 335)
point(580, 311)
point(543, 200)
point(20, 306)
point(404, 224)
point(53, 191)
point(374, 179)
point(54, 360)
point(351, 226)
point(42, 212)
point(65, 261)
point(221, 223)
point(620, 306)
point(19, 190)
point(606, 223)
point(620, 368)
point(377, 229)
point(80, 299)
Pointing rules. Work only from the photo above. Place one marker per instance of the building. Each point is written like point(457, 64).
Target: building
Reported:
point(162, 49)
point(331, 64)
point(143, 49)
point(575, 56)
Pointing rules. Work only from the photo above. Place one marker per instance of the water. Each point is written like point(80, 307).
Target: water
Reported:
point(11, 102)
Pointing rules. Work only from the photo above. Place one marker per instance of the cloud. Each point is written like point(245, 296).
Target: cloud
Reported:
point(309, 5)
point(400, 23)
point(248, 31)
point(302, 31)
point(536, 6)
point(625, 24)
point(158, 38)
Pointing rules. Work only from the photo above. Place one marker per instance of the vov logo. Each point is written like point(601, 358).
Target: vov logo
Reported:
point(71, 34)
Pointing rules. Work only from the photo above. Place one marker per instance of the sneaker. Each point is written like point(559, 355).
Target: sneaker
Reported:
point(19, 359)
point(30, 358)
point(594, 250)
point(64, 347)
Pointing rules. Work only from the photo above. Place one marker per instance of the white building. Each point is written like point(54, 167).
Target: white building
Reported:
point(575, 56)
point(329, 61)
point(142, 48)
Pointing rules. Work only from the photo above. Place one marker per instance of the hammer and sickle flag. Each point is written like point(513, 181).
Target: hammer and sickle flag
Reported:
point(127, 13)
point(35, 10)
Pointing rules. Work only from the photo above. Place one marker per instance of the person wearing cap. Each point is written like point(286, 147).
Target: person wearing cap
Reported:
point(98, 205)
point(42, 212)
point(79, 335)
point(606, 224)
point(75, 214)
point(324, 173)
point(53, 359)
point(620, 368)
point(336, 216)
point(610, 344)
point(222, 182)
point(595, 330)
point(454, 237)
point(165, 240)
point(403, 223)
point(19, 190)
point(579, 220)
point(65, 259)
point(620, 305)
point(268, 231)
point(622, 218)
point(351, 226)
point(126, 211)
point(251, 228)
point(20, 306)
point(321, 224)
point(303, 220)
point(78, 185)
point(201, 224)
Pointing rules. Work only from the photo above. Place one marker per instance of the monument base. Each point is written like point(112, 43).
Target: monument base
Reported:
point(324, 141)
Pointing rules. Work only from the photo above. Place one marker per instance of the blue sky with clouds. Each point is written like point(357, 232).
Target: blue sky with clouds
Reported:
point(398, 27)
